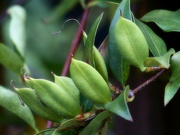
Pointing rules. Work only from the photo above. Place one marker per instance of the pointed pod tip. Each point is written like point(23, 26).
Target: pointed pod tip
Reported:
point(131, 120)
point(12, 83)
point(52, 73)
point(165, 103)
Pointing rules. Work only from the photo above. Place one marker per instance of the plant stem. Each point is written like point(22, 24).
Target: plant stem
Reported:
point(75, 42)
point(147, 82)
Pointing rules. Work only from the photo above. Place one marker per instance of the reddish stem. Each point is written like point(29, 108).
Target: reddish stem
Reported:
point(148, 81)
point(75, 42)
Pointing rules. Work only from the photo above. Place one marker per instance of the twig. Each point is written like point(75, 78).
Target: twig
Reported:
point(148, 81)
point(75, 42)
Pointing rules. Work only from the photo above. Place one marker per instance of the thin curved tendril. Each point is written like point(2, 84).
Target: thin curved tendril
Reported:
point(12, 83)
point(72, 19)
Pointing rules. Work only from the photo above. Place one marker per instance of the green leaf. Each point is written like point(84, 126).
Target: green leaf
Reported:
point(17, 28)
point(48, 131)
point(60, 10)
point(118, 65)
point(10, 101)
point(99, 3)
point(10, 59)
point(98, 59)
point(156, 45)
point(165, 19)
point(68, 124)
point(119, 105)
point(90, 41)
point(174, 81)
point(95, 123)
point(131, 42)
point(162, 61)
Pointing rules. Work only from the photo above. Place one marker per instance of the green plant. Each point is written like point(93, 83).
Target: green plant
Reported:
point(84, 102)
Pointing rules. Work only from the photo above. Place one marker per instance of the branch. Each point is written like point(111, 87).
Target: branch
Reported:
point(147, 82)
point(75, 42)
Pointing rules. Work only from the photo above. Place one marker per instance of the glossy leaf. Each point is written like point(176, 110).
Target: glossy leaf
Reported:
point(10, 101)
point(17, 28)
point(174, 81)
point(165, 19)
point(95, 123)
point(156, 45)
point(90, 41)
point(162, 61)
point(131, 42)
point(118, 65)
point(119, 105)
point(10, 59)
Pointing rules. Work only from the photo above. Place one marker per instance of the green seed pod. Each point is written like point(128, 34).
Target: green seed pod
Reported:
point(68, 84)
point(100, 64)
point(131, 42)
point(30, 98)
point(55, 97)
point(90, 83)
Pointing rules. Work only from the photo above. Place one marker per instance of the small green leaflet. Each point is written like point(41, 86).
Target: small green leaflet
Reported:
point(119, 105)
point(88, 53)
point(162, 61)
point(174, 81)
point(165, 19)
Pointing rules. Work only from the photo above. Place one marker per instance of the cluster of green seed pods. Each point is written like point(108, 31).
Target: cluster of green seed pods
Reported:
point(61, 99)
point(30, 98)
point(55, 97)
